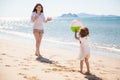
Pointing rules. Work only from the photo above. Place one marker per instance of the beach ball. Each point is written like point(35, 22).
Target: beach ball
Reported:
point(76, 25)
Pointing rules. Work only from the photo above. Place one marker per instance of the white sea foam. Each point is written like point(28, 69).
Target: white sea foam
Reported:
point(107, 47)
point(14, 18)
point(28, 35)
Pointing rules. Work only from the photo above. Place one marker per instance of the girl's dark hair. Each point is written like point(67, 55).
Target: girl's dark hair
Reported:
point(84, 32)
point(34, 10)
point(87, 30)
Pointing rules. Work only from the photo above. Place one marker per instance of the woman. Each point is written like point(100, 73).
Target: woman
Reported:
point(38, 20)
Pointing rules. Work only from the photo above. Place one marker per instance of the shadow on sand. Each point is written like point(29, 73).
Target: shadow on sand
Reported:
point(44, 60)
point(57, 66)
point(92, 77)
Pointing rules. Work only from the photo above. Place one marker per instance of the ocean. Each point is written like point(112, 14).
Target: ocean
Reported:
point(104, 33)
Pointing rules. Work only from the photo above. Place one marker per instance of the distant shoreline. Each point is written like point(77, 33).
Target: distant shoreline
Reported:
point(68, 15)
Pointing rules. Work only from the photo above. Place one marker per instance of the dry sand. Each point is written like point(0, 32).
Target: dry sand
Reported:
point(18, 62)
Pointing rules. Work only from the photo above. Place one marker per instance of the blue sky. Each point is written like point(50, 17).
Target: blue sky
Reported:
point(53, 8)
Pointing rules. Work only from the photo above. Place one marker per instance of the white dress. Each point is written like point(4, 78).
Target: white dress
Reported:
point(84, 48)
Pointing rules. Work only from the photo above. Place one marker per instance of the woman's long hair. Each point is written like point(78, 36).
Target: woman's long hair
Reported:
point(34, 10)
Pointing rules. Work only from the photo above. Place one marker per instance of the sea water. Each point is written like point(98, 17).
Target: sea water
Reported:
point(104, 33)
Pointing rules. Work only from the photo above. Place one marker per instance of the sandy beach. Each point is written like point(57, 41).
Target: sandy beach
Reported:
point(18, 62)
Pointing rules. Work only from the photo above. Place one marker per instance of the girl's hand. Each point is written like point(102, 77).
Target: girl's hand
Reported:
point(76, 31)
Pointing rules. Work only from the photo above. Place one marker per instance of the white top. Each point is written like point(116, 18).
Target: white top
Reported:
point(39, 23)
point(84, 48)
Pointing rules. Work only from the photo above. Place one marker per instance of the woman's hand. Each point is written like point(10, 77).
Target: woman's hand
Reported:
point(48, 19)
point(35, 17)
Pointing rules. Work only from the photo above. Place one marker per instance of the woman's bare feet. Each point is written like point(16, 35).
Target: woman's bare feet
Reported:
point(87, 73)
point(81, 72)
point(37, 53)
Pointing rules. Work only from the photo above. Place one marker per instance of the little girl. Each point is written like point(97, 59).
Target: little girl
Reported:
point(84, 48)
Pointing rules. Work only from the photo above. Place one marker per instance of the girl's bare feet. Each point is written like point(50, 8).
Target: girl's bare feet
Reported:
point(36, 54)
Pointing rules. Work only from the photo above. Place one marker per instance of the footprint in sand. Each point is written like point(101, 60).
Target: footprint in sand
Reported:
point(3, 54)
point(0, 58)
point(100, 61)
point(60, 69)
point(51, 70)
point(117, 67)
point(22, 74)
point(32, 78)
point(26, 65)
point(28, 77)
point(68, 77)
point(25, 68)
point(8, 65)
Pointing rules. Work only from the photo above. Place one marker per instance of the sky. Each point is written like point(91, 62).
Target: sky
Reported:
point(54, 8)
